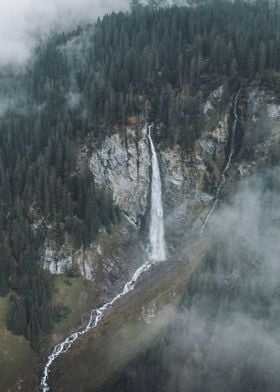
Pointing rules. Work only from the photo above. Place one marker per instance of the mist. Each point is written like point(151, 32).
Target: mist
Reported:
point(22, 22)
point(225, 336)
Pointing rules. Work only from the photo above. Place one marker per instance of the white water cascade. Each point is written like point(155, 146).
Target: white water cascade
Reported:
point(223, 177)
point(157, 245)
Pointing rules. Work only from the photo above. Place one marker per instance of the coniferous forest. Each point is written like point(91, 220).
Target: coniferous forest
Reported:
point(153, 63)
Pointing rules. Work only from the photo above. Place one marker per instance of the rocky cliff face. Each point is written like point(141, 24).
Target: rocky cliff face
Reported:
point(122, 164)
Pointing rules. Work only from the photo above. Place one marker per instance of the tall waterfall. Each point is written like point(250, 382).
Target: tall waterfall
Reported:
point(157, 243)
point(157, 254)
point(223, 177)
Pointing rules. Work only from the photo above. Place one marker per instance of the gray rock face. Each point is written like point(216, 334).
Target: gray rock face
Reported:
point(59, 260)
point(189, 182)
point(124, 168)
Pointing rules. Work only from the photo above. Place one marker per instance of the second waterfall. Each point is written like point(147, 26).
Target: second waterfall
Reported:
point(156, 235)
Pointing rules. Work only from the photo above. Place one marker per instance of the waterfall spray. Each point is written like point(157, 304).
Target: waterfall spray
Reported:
point(157, 243)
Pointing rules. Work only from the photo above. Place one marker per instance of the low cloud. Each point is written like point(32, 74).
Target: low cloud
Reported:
point(23, 21)
point(225, 337)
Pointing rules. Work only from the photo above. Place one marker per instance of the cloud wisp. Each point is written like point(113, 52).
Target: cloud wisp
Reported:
point(225, 336)
point(23, 21)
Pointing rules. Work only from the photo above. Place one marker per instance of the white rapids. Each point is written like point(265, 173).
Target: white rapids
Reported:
point(223, 177)
point(157, 245)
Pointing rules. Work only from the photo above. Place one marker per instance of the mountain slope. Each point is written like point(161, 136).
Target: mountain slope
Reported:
point(130, 326)
point(75, 159)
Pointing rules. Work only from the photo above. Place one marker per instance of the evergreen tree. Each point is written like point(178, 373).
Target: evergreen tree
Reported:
point(158, 64)
point(17, 319)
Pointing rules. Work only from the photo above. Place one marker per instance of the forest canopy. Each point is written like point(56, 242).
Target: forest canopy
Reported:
point(154, 64)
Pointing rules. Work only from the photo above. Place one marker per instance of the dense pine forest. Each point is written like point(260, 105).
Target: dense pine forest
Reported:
point(151, 64)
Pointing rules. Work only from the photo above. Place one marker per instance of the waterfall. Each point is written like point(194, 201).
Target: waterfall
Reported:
point(157, 254)
point(157, 243)
point(223, 176)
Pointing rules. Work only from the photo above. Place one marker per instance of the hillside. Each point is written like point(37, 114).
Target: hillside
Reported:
point(201, 86)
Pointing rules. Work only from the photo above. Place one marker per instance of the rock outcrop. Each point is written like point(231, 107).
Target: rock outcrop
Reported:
point(189, 180)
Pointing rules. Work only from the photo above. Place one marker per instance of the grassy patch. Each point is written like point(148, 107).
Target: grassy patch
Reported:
point(17, 360)
point(78, 296)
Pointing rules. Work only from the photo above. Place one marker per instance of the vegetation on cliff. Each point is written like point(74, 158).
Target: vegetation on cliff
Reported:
point(155, 64)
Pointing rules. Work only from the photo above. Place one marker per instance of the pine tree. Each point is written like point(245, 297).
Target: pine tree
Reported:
point(16, 318)
point(4, 286)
